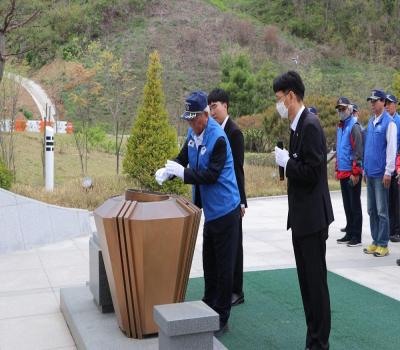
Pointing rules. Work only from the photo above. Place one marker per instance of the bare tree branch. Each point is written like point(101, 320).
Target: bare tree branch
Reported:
point(8, 17)
point(19, 52)
point(22, 23)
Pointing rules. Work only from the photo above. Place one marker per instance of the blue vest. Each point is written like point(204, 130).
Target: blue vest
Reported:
point(375, 146)
point(396, 119)
point(344, 150)
point(222, 197)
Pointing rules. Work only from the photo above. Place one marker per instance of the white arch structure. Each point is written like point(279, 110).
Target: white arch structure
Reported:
point(39, 96)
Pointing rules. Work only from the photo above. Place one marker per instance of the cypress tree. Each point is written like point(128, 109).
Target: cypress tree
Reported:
point(152, 140)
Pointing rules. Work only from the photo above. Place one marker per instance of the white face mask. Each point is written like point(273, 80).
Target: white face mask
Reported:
point(282, 109)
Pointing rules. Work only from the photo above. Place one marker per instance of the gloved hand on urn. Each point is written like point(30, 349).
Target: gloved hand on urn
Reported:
point(175, 169)
point(162, 176)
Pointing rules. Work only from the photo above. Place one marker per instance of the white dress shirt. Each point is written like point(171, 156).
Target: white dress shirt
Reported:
point(293, 126)
point(198, 139)
point(224, 122)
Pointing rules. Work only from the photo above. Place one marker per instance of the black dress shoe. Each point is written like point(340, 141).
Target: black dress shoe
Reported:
point(237, 299)
point(343, 240)
point(395, 238)
point(223, 328)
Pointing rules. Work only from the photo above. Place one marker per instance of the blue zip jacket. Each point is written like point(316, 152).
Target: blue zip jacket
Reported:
point(396, 119)
point(375, 146)
point(343, 145)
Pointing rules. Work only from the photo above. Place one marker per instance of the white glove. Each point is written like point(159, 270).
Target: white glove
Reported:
point(161, 176)
point(174, 168)
point(281, 157)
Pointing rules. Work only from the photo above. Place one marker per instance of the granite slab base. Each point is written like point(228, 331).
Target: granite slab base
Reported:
point(93, 330)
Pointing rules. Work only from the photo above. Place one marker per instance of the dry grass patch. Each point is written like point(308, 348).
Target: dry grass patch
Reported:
point(71, 194)
point(264, 181)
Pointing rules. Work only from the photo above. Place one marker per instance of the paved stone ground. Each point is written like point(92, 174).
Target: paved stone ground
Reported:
point(30, 281)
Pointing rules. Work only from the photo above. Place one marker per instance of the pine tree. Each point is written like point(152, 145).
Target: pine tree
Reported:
point(152, 140)
point(396, 84)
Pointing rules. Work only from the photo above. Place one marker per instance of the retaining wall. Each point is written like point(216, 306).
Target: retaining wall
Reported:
point(26, 223)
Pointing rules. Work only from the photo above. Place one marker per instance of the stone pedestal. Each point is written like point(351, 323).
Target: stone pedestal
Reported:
point(98, 283)
point(93, 330)
point(183, 326)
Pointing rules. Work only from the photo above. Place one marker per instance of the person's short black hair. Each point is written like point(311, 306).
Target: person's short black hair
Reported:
point(218, 95)
point(289, 81)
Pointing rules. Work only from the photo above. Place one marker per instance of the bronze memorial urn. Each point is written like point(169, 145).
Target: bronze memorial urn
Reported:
point(148, 240)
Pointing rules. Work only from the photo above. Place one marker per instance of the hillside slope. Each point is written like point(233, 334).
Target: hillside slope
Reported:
point(191, 35)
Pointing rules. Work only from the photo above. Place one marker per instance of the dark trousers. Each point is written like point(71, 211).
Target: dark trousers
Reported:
point(220, 238)
point(394, 210)
point(309, 253)
point(238, 271)
point(352, 207)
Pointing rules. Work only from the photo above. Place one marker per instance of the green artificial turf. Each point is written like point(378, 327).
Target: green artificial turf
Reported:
point(272, 316)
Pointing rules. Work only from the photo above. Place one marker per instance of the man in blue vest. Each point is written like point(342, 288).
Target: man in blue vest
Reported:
point(379, 165)
point(355, 110)
point(349, 155)
point(313, 110)
point(211, 172)
point(394, 210)
point(356, 115)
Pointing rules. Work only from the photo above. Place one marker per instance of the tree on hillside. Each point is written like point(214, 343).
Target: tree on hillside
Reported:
point(9, 95)
point(239, 82)
point(79, 107)
point(263, 93)
point(152, 140)
point(396, 84)
point(115, 95)
point(249, 92)
point(14, 15)
point(276, 128)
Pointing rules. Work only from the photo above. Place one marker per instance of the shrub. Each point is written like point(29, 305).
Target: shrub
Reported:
point(28, 114)
point(271, 36)
point(260, 159)
point(249, 121)
point(254, 140)
point(5, 176)
point(152, 140)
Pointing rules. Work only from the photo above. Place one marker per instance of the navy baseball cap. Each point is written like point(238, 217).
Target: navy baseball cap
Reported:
point(355, 107)
point(377, 95)
point(342, 101)
point(391, 98)
point(195, 103)
point(313, 110)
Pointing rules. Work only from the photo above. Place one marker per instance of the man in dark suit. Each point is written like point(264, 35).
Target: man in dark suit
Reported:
point(310, 208)
point(218, 102)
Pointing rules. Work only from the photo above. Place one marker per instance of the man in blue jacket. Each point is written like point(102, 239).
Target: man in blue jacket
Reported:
point(394, 210)
point(349, 148)
point(211, 172)
point(379, 165)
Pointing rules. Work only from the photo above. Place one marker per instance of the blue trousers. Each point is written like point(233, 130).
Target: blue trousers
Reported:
point(378, 210)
